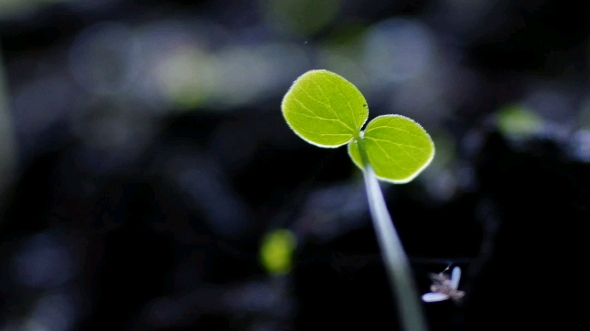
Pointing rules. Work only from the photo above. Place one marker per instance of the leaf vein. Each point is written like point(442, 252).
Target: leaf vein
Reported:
point(391, 158)
point(402, 147)
point(347, 101)
point(330, 105)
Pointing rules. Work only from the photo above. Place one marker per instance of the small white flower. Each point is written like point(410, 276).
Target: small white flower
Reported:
point(443, 287)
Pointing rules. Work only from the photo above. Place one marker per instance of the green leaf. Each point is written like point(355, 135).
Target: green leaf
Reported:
point(325, 109)
point(397, 148)
point(276, 251)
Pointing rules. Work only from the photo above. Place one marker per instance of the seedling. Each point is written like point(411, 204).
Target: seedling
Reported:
point(326, 110)
point(444, 288)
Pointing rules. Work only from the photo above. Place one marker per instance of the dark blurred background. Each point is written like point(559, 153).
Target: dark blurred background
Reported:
point(149, 182)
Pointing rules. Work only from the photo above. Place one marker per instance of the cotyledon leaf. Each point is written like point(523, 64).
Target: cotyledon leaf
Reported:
point(397, 148)
point(325, 109)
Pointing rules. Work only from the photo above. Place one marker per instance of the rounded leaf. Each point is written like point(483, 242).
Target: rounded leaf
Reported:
point(324, 109)
point(397, 148)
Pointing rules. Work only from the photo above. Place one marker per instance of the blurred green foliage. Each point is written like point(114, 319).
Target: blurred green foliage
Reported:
point(303, 17)
point(276, 251)
point(516, 121)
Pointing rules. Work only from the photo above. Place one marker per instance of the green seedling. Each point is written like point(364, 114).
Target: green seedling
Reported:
point(326, 110)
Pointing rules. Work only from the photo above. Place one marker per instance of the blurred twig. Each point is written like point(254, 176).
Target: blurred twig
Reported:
point(7, 148)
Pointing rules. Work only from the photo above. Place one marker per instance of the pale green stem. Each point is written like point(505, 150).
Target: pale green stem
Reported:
point(396, 262)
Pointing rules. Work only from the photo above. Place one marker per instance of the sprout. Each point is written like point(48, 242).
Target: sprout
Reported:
point(328, 111)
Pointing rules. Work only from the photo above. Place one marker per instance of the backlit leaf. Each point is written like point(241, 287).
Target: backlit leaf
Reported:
point(324, 109)
point(397, 148)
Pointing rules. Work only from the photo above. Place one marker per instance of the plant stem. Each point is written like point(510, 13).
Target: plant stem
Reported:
point(395, 259)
